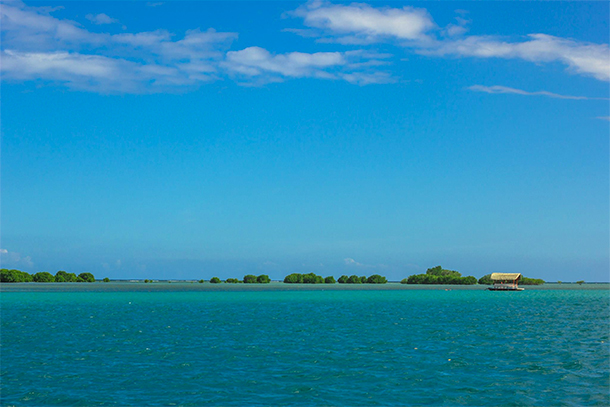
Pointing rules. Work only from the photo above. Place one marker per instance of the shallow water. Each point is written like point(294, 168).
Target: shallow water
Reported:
point(172, 345)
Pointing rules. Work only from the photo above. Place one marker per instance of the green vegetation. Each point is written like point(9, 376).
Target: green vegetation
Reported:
point(309, 278)
point(232, 281)
point(343, 279)
point(106, 280)
point(486, 280)
point(531, 281)
point(376, 279)
point(87, 277)
point(17, 276)
point(252, 279)
point(43, 277)
point(580, 282)
point(263, 279)
point(354, 279)
point(201, 281)
point(147, 281)
point(14, 276)
point(329, 280)
point(439, 275)
point(215, 280)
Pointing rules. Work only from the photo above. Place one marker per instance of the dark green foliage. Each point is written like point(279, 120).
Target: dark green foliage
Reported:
point(43, 277)
point(580, 282)
point(14, 276)
point(486, 280)
point(309, 278)
point(250, 279)
point(312, 278)
point(343, 279)
point(263, 279)
point(147, 281)
point(87, 277)
point(106, 280)
point(531, 281)
point(354, 280)
point(329, 280)
point(438, 275)
point(201, 281)
point(63, 277)
point(232, 281)
point(294, 278)
point(376, 279)
point(363, 279)
point(404, 281)
point(215, 280)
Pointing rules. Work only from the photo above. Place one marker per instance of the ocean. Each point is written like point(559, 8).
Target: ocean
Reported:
point(136, 344)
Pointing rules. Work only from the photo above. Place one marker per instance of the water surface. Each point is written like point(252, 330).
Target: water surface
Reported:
point(186, 344)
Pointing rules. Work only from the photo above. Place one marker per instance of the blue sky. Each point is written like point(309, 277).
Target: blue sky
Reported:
point(193, 139)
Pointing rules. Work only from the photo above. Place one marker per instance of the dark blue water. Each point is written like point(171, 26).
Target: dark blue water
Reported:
point(333, 347)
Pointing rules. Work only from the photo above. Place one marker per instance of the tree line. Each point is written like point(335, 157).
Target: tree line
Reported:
point(434, 275)
point(17, 276)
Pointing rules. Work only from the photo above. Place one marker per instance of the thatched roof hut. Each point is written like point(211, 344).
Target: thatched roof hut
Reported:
point(506, 281)
point(506, 277)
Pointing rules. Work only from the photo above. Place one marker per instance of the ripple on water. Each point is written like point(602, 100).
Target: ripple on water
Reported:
point(306, 347)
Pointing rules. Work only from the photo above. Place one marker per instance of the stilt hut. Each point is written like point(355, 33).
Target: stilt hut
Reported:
point(506, 282)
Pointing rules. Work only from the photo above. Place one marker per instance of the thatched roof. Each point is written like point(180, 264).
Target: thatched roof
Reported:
point(505, 276)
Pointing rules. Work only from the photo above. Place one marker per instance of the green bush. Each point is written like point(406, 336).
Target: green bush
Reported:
point(106, 280)
point(343, 279)
point(531, 281)
point(486, 280)
point(250, 279)
point(312, 278)
point(43, 277)
point(64, 277)
point(263, 279)
point(329, 280)
point(215, 280)
point(294, 278)
point(404, 281)
point(580, 282)
point(376, 279)
point(354, 279)
point(438, 275)
point(87, 277)
point(232, 281)
point(15, 276)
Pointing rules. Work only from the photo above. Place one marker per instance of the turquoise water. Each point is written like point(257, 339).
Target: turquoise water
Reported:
point(300, 347)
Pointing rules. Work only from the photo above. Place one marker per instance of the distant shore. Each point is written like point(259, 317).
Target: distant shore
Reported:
point(136, 285)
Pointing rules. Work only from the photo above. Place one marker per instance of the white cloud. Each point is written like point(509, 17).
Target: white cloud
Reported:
point(415, 29)
point(39, 47)
point(254, 61)
point(154, 4)
point(582, 58)
point(101, 18)
point(504, 89)
point(267, 67)
point(361, 23)
point(606, 118)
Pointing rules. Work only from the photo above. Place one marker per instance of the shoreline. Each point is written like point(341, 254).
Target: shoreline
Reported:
point(273, 286)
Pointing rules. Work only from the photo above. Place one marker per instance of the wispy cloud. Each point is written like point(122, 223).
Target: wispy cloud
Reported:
point(360, 23)
point(259, 63)
point(414, 29)
point(40, 47)
point(581, 58)
point(101, 19)
point(154, 4)
point(14, 259)
point(606, 118)
point(496, 89)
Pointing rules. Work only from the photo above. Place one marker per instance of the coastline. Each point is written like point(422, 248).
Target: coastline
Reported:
point(273, 286)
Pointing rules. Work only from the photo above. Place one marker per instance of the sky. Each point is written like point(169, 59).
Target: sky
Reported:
point(185, 140)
